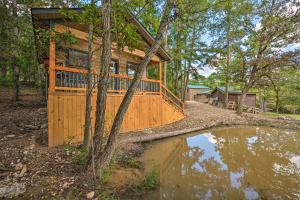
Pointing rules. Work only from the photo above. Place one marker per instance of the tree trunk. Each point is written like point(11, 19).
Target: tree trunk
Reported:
point(178, 60)
point(16, 87)
point(192, 44)
point(102, 86)
point(228, 71)
point(111, 142)
point(89, 91)
point(277, 100)
point(16, 69)
point(241, 102)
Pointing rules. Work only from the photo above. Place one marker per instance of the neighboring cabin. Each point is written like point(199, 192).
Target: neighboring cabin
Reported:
point(152, 105)
point(197, 93)
point(233, 95)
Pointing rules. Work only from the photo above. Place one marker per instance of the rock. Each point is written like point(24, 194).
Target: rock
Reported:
point(19, 166)
point(32, 146)
point(23, 171)
point(44, 126)
point(12, 190)
point(10, 136)
point(42, 111)
point(32, 127)
point(90, 195)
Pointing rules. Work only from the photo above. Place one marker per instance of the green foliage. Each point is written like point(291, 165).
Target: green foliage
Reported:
point(105, 175)
point(150, 182)
point(292, 116)
point(65, 37)
point(109, 195)
point(79, 155)
point(129, 161)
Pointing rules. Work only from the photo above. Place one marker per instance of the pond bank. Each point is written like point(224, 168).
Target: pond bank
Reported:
point(201, 116)
point(34, 171)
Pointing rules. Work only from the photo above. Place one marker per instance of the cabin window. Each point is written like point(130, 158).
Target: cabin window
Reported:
point(131, 69)
point(114, 67)
point(77, 58)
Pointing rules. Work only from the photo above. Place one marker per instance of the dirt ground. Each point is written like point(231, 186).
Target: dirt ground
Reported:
point(31, 170)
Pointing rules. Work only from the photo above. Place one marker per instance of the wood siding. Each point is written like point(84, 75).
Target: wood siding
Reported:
point(66, 111)
point(193, 92)
point(123, 57)
point(250, 99)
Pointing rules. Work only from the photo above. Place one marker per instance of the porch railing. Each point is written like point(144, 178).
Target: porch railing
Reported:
point(67, 78)
point(74, 79)
point(171, 97)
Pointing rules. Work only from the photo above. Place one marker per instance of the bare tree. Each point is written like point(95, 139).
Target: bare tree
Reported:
point(102, 158)
point(89, 88)
point(16, 69)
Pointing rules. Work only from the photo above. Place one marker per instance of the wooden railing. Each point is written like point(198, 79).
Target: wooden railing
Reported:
point(169, 96)
point(74, 79)
point(67, 78)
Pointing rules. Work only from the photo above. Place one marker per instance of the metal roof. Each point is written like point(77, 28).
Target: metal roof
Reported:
point(197, 87)
point(230, 90)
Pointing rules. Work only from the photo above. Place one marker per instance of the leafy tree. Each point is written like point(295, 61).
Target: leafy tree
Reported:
point(229, 21)
point(265, 48)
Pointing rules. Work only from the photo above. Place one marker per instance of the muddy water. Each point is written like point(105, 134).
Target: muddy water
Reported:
point(227, 163)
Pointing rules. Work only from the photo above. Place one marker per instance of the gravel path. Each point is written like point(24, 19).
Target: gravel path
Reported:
point(201, 116)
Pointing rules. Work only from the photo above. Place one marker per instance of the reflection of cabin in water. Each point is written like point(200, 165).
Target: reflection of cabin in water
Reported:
point(152, 105)
point(233, 95)
point(197, 93)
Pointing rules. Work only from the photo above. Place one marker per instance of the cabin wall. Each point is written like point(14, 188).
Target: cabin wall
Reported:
point(250, 99)
point(219, 95)
point(192, 93)
point(203, 98)
point(82, 45)
point(66, 114)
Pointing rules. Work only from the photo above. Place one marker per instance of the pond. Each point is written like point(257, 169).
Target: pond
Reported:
point(227, 163)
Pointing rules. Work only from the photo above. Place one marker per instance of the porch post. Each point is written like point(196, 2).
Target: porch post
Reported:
point(159, 76)
point(165, 73)
point(52, 61)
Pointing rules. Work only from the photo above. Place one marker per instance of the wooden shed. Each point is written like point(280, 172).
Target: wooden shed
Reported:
point(194, 92)
point(233, 95)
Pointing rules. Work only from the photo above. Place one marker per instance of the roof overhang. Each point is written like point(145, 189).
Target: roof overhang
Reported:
point(232, 92)
point(45, 16)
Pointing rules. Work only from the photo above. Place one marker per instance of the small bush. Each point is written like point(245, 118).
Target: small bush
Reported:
point(106, 174)
point(108, 195)
point(79, 155)
point(150, 182)
point(131, 162)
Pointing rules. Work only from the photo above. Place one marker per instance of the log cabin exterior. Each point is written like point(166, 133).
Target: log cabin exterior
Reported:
point(153, 103)
point(234, 96)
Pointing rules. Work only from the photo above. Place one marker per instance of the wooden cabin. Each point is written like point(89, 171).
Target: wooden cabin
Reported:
point(233, 95)
point(203, 96)
point(194, 91)
point(153, 103)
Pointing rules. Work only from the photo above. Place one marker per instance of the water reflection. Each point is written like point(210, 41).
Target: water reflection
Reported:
point(228, 163)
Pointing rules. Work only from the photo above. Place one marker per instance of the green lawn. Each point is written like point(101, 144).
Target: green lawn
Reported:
point(272, 114)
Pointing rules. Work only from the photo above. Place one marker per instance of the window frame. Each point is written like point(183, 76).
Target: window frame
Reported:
point(79, 51)
point(135, 65)
point(117, 68)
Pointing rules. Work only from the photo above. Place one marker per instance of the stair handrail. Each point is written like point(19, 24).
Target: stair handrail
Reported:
point(179, 105)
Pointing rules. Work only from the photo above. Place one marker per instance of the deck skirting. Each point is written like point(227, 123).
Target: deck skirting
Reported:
point(66, 114)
